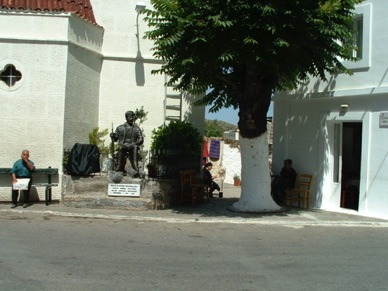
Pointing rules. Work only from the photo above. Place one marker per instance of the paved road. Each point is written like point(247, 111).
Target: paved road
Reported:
point(44, 251)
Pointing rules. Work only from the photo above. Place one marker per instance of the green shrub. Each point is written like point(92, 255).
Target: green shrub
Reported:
point(177, 135)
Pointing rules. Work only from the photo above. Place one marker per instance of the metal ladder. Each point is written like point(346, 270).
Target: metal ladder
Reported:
point(172, 105)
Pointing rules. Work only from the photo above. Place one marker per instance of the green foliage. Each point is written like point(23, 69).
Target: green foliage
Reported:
point(66, 156)
point(143, 154)
point(244, 50)
point(213, 129)
point(140, 115)
point(224, 126)
point(97, 138)
point(177, 135)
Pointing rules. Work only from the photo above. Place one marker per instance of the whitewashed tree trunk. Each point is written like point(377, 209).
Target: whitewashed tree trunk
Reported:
point(255, 177)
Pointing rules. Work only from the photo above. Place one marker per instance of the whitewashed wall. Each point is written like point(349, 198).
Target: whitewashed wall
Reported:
point(51, 53)
point(303, 121)
point(83, 69)
point(231, 160)
point(126, 79)
point(76, 76)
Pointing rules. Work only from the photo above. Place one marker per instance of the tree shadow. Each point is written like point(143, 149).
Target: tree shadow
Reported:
point(221, 208)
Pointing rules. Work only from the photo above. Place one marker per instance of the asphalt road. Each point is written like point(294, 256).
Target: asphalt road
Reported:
point(47, 252)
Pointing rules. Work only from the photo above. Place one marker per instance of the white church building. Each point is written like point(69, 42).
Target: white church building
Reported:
point(338, 130)
point(68, 66)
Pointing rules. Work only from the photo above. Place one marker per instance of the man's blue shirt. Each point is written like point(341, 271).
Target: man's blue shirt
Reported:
point(20, 169)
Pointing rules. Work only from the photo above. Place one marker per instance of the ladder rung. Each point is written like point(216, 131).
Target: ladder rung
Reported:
point(173, 117)
point(173, 96)
point(173, 107)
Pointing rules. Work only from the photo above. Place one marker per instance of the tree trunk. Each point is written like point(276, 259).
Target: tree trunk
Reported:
point(254, 102)
point(255, 177)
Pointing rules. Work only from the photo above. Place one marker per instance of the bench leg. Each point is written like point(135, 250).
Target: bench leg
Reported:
point(48, 195)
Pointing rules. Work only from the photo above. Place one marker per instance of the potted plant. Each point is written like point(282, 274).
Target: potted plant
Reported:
point(237, 180)
point(97, 138)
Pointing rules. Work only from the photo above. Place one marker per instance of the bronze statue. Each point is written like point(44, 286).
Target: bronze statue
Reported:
point(129, 137)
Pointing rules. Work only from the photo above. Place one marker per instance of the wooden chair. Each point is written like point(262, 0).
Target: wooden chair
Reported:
point(206, 189)
point(301, 192)
point(191, 187)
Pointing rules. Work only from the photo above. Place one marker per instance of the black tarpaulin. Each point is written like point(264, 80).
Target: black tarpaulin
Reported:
point(84, 160)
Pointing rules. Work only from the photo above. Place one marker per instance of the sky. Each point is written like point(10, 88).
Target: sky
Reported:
point(228, 114)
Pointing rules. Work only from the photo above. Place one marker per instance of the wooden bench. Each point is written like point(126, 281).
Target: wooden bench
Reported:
point(40, 171)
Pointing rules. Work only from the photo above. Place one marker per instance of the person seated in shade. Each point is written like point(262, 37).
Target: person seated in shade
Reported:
point(208, 179)
point(285, 180)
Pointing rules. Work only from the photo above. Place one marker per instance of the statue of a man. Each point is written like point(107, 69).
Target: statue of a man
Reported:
point(129, 137)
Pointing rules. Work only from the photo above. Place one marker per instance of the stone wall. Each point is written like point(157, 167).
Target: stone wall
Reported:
point(92, 191)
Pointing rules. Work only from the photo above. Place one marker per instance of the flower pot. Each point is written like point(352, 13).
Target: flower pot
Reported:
point(237, 182)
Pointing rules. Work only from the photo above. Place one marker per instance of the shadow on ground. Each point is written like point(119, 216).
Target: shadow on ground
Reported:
point(221, 207)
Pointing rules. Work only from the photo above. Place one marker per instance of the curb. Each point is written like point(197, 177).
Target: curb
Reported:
point(297, 223)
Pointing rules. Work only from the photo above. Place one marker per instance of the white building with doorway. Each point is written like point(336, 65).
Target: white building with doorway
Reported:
point(338, 130)
point(69, 66)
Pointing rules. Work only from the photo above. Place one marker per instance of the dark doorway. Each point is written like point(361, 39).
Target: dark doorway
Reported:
point(351, 164)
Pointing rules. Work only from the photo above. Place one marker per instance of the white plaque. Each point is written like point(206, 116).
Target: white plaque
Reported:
point(130, 190)
point(384, 119)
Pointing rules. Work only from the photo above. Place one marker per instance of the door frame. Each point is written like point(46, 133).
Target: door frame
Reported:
point(330, 190)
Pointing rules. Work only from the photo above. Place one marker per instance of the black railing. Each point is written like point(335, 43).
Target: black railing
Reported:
point(166, 164)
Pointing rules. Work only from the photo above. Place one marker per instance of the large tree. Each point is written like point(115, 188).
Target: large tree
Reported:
point(244, 50)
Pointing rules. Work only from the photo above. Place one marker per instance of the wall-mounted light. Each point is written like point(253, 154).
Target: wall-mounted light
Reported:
point(343, 109)
point(140, 6)
point(139, 65)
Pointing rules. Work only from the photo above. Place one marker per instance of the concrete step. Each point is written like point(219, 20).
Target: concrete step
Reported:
point(105, 201)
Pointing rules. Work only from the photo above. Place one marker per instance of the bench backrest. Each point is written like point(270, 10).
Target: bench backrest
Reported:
point(38, 171)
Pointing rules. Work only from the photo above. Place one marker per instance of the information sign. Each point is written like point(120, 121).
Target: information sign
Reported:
point(130, 190)
point(383, 119)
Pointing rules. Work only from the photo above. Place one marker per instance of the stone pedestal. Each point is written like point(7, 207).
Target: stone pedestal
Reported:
point(92, 192)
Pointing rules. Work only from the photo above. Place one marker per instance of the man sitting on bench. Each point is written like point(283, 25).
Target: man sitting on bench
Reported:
point(22, 168)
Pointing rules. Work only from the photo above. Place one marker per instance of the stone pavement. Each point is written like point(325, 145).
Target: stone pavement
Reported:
point(215, 211)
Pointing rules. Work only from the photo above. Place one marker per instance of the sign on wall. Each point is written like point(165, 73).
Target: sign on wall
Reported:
point(130, 190)
point(383, 122)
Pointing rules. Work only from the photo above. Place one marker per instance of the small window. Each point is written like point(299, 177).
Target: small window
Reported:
point(361, 38)
point(357, 36)
point(10, 75)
